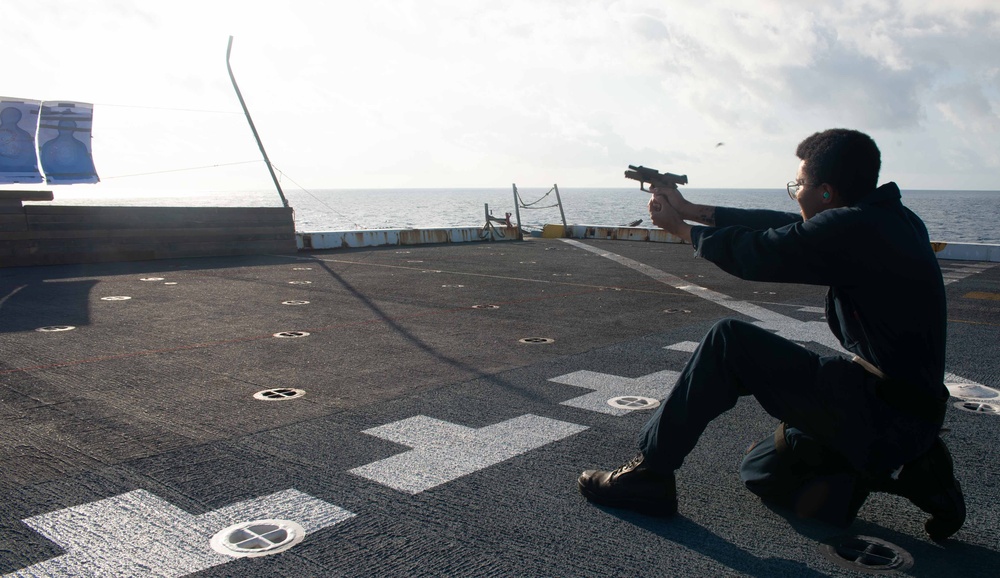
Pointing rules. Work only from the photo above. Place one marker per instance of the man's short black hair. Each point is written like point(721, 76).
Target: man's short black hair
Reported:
point(847, 159)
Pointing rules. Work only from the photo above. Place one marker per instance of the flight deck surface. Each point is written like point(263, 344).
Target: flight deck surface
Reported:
point(423, 411)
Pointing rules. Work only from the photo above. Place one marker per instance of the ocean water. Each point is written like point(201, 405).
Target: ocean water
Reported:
point(956, 216)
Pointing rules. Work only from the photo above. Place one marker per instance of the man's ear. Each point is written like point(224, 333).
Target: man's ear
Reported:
point(831, 196)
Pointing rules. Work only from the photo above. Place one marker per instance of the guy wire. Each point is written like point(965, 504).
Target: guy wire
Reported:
point(305, 190)
point(185, 169)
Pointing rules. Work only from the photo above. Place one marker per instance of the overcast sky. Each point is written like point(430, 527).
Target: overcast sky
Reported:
point(468, 93)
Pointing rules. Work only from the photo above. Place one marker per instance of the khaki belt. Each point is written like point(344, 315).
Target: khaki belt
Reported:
point(868, 367)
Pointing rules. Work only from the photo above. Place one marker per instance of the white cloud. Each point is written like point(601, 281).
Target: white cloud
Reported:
point(966, 106)
point(474, 93)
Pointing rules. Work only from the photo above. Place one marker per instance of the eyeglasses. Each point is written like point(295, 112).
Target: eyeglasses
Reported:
point(793, 187)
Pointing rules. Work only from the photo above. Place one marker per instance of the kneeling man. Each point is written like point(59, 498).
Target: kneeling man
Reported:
point(848, 426)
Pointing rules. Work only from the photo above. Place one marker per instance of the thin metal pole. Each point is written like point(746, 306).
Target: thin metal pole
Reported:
point(517, 212)
point(488, 227)
point(239, 95)
point(559, 202)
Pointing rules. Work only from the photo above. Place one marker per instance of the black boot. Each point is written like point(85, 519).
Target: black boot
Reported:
point(929, 482)
point(632, 486)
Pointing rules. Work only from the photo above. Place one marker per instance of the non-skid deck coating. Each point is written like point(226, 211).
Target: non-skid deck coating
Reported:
point(435, 438)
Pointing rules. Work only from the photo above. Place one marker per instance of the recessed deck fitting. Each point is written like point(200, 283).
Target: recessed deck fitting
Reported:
point(978, 407)
point(536, 340)
point(257, 538)
point(972, 391)
point(867, 554)
point(633, 402)
point(279, 394)
point(55, 328)
point(291, 334)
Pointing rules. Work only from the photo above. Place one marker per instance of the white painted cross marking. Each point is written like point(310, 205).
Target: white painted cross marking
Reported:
point(444, 451)
point(139, 534)
point(655, 385)
point(956, 273)
point(815, 331)
point(685, 346)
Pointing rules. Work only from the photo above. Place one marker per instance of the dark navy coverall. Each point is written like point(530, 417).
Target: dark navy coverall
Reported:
point(886, 304)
